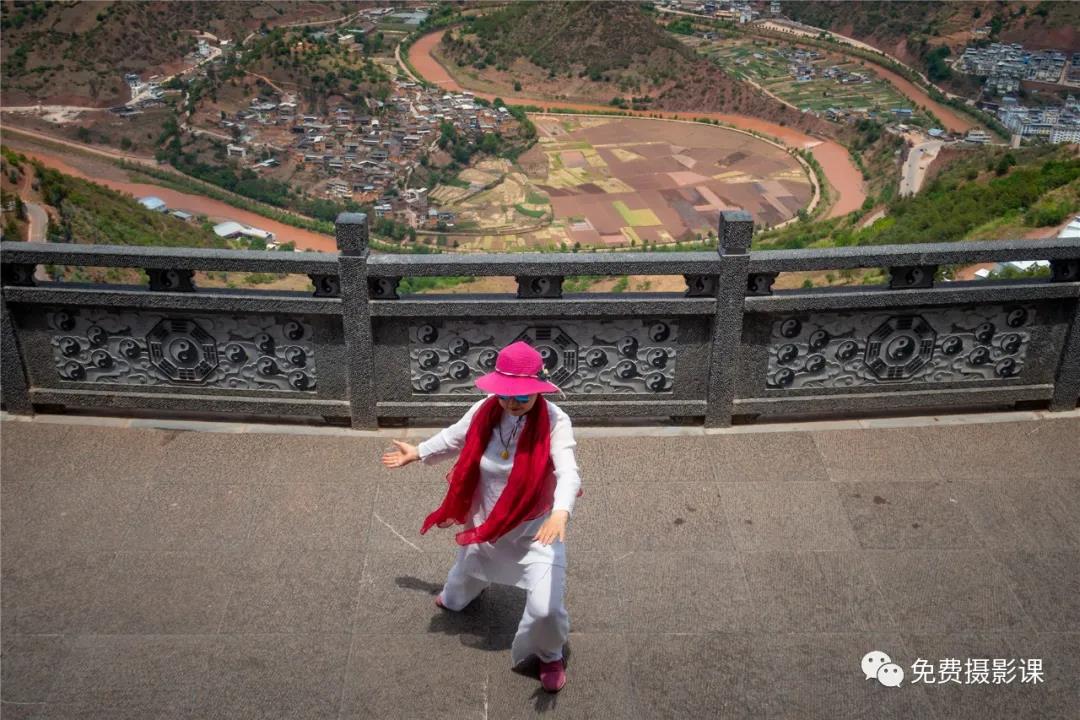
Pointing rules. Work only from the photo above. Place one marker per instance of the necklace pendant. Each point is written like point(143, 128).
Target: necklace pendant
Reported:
point(505, 454)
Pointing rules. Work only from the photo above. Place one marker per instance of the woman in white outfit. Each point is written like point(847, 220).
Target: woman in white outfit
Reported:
point(513, 487)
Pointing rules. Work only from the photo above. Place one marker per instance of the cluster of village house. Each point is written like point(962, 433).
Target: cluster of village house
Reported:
point(736, 10)
point(352, 155)
point(1004, 66)
point(801, 67)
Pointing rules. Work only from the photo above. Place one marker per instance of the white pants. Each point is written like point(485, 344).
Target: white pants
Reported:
point(544, 625)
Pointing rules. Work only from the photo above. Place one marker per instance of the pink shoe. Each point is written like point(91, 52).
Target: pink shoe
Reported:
point(553, 675)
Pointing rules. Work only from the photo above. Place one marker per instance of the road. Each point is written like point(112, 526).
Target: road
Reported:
point(38, 220)
point(918, 160)
point(93, 150)
point(38, 227)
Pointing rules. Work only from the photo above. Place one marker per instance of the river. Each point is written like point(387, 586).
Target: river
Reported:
point(843, 176)
point(196, 204)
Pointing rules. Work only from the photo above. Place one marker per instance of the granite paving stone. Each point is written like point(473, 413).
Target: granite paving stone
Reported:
point(593, 598)
point(815, 592)
point(907, 515)
point(1048, 586)
point(674, 515)
point(415, 675)
point(263, 458)
point(264, 677)
point(121, 673)
point(303, 591)
point(686, 592)
point(787, 516)
point(397, 593)
point(84, 516)
point(163, 593)
point(817, 675)
point(946, 591)
point(597, 686)
point(313, 516)
point(884, 455)
point(629, 459)
point(691, 675)
point(1035, 514)
point(198, 516)
point(398, 513)
point(765, 457)
point(1007, 451)
point(52, 592)
point(951, 678)
point(67, 453)
point(29, 665)
point(170, 574)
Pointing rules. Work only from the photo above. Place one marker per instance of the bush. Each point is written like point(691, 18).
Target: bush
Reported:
point(1047, 212)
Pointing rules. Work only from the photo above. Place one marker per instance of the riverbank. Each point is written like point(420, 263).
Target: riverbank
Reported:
point(103, 171)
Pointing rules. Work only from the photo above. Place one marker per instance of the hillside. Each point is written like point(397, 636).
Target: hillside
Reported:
point(84, 212)
point(913, 31)
point(76, 53)
point(605, 52)
point(982, 194)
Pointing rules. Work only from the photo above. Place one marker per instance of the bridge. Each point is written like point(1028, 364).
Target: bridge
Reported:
point(195, 522)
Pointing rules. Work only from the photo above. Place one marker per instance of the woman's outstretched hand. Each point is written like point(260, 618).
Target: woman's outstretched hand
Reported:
point(553, 528)
point(403, 454)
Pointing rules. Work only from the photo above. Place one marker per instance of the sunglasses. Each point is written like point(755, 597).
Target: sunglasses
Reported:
point(520, 398)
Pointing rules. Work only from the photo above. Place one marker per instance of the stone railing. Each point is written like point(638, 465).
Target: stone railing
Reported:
point(729, 347)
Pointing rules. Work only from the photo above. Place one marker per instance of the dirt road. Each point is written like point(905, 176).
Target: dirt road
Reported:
point(914, 170)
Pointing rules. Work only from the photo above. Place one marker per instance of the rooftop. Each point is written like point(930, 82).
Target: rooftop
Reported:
point(157, 568)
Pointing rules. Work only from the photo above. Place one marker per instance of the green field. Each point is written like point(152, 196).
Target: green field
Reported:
point(768, 66)
point(636, 218)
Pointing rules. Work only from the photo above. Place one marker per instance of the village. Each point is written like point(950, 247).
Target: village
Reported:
point(363, 157)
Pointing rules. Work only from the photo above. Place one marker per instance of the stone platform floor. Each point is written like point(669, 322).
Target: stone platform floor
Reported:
point(163, 573)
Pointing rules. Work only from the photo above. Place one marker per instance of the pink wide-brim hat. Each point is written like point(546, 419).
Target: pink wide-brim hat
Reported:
point(519, 370)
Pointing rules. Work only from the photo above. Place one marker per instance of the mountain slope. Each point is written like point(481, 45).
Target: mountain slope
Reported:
point(77, 52)
point(911, 31)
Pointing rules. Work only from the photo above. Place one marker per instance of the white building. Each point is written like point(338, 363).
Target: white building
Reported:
point(150, 202)
point(231, 229)
point(1072, 230)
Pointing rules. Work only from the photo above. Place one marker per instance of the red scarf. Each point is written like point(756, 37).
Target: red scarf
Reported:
point(529, 491)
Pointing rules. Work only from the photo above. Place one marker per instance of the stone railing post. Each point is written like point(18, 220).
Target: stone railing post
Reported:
point(1067, 381)
point(13, 382)
point(351, 232)
point(735, 230)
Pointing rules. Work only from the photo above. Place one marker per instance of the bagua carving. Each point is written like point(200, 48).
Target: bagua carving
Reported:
point(620, 356)
point(836, 350)
point(230, 352)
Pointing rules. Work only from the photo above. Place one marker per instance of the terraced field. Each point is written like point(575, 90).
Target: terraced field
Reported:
point(622, 182)
point(769, 64)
